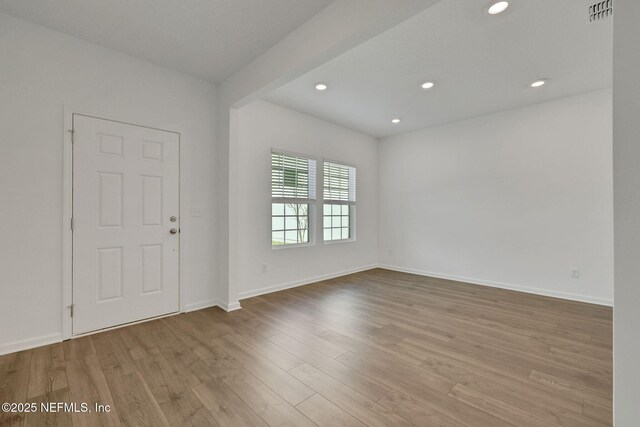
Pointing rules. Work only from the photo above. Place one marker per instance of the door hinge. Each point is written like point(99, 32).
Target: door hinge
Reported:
point(71, 307)
point(72, 132)
point(71, 223)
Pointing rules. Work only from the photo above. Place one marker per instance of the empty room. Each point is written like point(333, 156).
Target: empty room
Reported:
point(319, 212)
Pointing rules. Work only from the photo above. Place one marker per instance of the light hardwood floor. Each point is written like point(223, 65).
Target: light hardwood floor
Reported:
point(377, 348)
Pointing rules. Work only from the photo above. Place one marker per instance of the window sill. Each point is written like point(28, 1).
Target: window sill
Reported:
point(334, 242)
point(292, 246)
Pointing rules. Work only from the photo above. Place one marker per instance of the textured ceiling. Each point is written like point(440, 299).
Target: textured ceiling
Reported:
point(209, 39)
point(480, 63)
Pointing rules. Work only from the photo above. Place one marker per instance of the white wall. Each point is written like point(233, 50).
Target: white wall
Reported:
point(626, 164)
point(263, 126)
point(515, 199)
point(41, 71)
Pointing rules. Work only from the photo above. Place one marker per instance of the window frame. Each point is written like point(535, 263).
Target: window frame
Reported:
point(352, 204)
point(287, 200)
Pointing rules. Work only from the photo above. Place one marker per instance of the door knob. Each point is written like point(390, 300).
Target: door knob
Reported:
point(173, 219)
point(173, 231)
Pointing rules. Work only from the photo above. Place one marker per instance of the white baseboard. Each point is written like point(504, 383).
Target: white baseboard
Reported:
point(212, 303)
point(201, 305)
point(27, 344)
point(536, 291)
point(302, 282)
point(232, 306)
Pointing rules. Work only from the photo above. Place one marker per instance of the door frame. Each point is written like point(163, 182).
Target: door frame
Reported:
point(67, 213)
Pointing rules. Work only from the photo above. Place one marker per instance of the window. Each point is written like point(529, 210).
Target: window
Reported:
point(293, 193)
point(339, 201)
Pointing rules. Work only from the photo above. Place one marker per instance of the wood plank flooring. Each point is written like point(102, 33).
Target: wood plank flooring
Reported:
point(377, 348)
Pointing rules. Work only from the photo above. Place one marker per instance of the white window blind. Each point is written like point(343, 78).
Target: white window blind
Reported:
point(293, 193)
point(292, 177)
point(339, 183)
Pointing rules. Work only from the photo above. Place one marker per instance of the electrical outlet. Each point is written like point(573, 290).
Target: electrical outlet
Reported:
point(390, 252)
point(196, 211)
point(575, 273)
point(265, 268)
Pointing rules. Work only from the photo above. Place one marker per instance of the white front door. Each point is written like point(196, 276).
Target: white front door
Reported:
point(125, 209)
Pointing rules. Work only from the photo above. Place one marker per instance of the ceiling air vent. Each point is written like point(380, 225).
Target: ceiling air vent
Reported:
point(600, 10)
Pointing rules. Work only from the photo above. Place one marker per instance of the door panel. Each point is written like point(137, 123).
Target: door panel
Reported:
point(125, 190)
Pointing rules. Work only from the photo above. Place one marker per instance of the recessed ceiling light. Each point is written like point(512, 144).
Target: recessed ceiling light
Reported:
point(539, 83)
point(395, 121)
point(321, 86)
point(498, 7)
point(427, 85)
